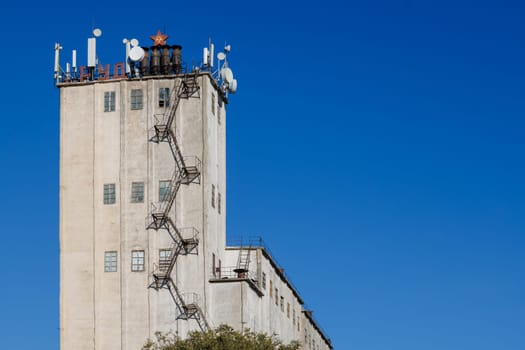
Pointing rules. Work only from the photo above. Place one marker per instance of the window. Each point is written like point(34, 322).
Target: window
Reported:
point(219, 202)
point(282, 303)
point(137, 260)
point(110, 261)
point(213, 103)
point(213, 271)
point(137, 192)
point(271, 289)
point(109, 193)
point(263, 280)
point(213, 196)
point(288, 310)
point(293, 317)
point(136, 99)
point(164, 259)
point(298, 323)
point(164, 97)
point(109, 101)
point(276, 296)
point(164, 190)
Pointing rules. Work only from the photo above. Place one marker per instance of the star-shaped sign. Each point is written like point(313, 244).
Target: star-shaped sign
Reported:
point(159, 38)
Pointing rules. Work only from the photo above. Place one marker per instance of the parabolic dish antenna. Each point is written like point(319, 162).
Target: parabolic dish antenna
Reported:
point(227, 75)
point(136, 54)
point(134, 42)
point(233, 86)
point(221, 56)
point(97, 32)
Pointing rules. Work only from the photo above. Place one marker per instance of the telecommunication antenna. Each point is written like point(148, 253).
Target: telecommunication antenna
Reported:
point(92, 48)
point(134, 54)
point(208, 55)
point(225, 75)
point(74, 60)
point(57, 62)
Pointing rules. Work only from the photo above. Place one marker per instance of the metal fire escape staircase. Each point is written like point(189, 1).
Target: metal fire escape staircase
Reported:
point(187, 171)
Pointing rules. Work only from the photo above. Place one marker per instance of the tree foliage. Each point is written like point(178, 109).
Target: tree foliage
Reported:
point(222, 338)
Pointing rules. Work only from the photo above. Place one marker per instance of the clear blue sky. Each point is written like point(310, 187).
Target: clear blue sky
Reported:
point(378, 146)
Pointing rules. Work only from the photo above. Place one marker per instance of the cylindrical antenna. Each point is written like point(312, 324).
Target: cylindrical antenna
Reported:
point(128, 47)
point(57, 57)
point(212, 50)
point(92, 52)
point(74, 60)
point(205, 54)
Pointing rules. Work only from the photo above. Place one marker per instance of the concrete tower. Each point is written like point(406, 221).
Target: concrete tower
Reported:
point(143, 211)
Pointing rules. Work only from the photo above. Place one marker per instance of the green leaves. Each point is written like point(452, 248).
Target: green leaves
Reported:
point(222, 338)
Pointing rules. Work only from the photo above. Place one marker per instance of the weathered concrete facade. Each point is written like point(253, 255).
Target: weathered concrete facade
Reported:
point(107, 254)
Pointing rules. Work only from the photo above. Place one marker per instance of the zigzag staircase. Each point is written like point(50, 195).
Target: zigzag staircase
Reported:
point(187, 171)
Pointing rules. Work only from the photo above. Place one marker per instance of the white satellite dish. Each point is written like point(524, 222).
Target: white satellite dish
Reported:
point(221, 56)
point(227, 75)
point(233, 86)
point(97, 32)
point(136, 54)
point(134, 42)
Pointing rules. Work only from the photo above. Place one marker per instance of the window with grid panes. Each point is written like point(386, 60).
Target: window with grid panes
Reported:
point(137, 192)
point(136, 99)
point(109, 101)
point(110, 261)
point(164, 190)
point(137, 260)
point(109, 194)
point(164, 97)
point(164, 259)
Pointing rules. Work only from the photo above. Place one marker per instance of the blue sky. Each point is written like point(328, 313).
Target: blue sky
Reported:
point(377, 147)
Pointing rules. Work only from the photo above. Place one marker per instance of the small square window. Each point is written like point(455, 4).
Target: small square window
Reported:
point(136, 99)
point(137, 260)
point(213, 196)
point(164, 97)
point(109, 101)
point(137, 192)
point(110, 261)
point(164, 259)
point(164, 190)
point(109, 194)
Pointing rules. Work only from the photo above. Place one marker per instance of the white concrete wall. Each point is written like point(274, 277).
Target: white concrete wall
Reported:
point(116, 310)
